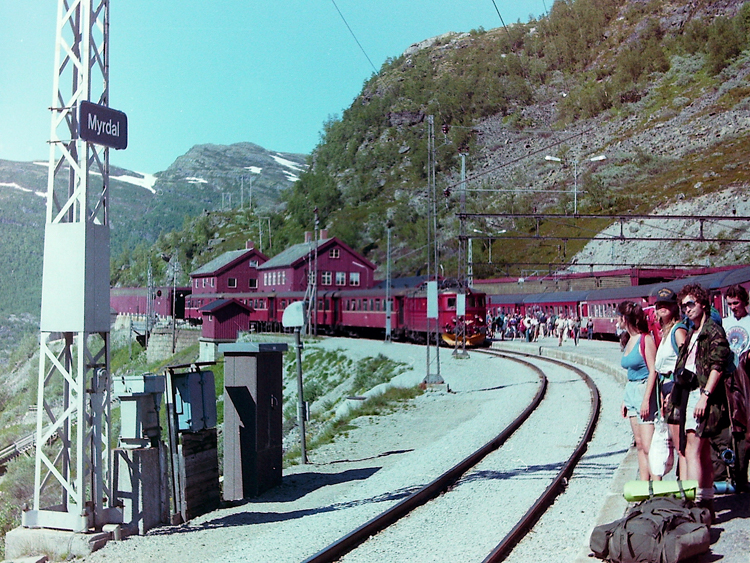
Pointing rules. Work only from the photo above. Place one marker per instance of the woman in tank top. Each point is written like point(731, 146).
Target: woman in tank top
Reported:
point(638, 358)
point(673, 335)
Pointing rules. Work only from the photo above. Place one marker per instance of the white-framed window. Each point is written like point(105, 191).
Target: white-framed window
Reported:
point(340, 278)
point(274, 277)
point(253, 263)
point(283, 277)
point(353, 278)
point(265, 279)
point(197, 283)
point(212, 281)
point(326, 278)
point(231, 282)
point(334, 253)
point(252, 283)
point(204, 282)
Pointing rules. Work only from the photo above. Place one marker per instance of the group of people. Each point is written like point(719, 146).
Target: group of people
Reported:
point(677, 372)
point(531, 327)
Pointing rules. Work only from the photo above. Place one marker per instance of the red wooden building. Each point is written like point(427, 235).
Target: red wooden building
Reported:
point(223, 319)
point(338, 267)
point(235, 271)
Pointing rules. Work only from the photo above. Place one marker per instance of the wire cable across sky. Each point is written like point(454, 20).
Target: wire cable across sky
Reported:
point(355, 37)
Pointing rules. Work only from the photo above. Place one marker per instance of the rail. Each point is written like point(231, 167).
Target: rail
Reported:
point(353, 539)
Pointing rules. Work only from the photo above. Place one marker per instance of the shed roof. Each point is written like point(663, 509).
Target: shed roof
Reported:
point(220, 304)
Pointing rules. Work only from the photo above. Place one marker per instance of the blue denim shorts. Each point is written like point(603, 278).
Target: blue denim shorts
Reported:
point(634, 391)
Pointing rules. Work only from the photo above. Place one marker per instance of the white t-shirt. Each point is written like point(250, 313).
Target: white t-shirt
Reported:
point(666, 357)
point(738, 334)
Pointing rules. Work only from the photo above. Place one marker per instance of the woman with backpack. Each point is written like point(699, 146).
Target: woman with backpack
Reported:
point(698, 403)
point(673, 334)
point(638, 357)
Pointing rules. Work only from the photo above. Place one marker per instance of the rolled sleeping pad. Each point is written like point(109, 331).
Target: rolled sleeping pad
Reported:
point(635, 491)
point(723, 487)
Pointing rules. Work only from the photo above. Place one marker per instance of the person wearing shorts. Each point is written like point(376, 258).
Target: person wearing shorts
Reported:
point(698, 401)
point(639, 402)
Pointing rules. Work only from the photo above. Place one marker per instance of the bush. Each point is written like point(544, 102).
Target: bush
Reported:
point(725, 41)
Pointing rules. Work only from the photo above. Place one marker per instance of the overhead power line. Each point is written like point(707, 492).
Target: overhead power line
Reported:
point(355, 37)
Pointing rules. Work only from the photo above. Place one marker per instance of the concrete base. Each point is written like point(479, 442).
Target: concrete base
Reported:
point(57, 545)
point(440, 387)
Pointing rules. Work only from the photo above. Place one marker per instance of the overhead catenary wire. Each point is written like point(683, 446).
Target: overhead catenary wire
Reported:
point(354, 36)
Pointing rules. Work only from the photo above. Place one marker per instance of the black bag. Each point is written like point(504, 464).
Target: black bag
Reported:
point(686, 378)
point(657, 530)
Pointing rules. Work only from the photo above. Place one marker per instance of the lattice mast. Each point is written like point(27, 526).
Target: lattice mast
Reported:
point(72, 488)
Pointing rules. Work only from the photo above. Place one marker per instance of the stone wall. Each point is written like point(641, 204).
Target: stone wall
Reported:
point(160, 342)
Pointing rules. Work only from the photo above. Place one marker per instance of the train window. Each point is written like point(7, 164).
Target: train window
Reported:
point(451, 303)
point(364, 304)
point(320, 304)
point(471, 302)
point(328, 304)
point(372, 305)
point(347, 305)
point(283, 303)
point(377, 304)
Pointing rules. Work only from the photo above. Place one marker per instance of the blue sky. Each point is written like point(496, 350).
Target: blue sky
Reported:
point(192, 72)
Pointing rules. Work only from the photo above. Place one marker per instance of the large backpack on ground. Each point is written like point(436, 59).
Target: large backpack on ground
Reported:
point(657, 530)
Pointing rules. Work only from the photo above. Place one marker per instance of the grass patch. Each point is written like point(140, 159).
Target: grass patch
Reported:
point(383, 404)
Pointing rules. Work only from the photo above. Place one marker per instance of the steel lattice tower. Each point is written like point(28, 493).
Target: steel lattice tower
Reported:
point(72, 473)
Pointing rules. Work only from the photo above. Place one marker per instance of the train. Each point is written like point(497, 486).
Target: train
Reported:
point(600, 305)
point(362, 312)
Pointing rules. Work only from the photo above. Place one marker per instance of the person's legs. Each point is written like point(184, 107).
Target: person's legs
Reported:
point(642, 434)
point(674, 432)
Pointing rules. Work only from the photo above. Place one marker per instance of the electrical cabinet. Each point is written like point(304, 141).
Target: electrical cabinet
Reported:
point(195, 400)
point(252, 418)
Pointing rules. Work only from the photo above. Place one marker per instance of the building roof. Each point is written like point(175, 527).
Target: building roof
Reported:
point(291, 255)
point(401, 283)
point(219, 263)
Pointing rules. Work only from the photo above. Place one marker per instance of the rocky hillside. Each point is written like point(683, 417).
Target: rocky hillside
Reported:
point(659, 89)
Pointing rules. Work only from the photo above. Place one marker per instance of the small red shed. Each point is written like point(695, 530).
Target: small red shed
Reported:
point(223, 319)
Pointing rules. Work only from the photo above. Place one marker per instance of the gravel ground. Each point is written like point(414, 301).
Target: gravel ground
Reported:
point(357, 476)
point(488, 501)
point(386, 457)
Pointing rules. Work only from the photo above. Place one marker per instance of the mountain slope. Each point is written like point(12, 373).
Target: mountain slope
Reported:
point(141, 206)
point(659, 88)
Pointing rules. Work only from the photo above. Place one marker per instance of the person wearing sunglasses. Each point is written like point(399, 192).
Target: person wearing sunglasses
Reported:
point(697, 400)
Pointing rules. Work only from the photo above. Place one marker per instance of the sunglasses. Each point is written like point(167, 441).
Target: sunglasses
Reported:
point(687, 305)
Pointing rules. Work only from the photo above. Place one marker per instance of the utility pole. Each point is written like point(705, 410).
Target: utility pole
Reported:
point(388, 298)
point(74, 336)
point(460, 330)
point(433, 332)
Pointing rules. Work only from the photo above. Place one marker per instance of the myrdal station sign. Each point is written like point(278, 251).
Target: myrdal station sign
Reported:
point(102, 125)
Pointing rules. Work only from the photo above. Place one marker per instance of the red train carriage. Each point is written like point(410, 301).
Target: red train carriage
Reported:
point(415, 323)
point(359, 312)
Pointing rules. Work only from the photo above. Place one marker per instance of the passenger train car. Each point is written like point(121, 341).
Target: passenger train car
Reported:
point(601, 304)
point(362, 312)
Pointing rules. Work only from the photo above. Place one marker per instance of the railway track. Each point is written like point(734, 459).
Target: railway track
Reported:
point(490, 474)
